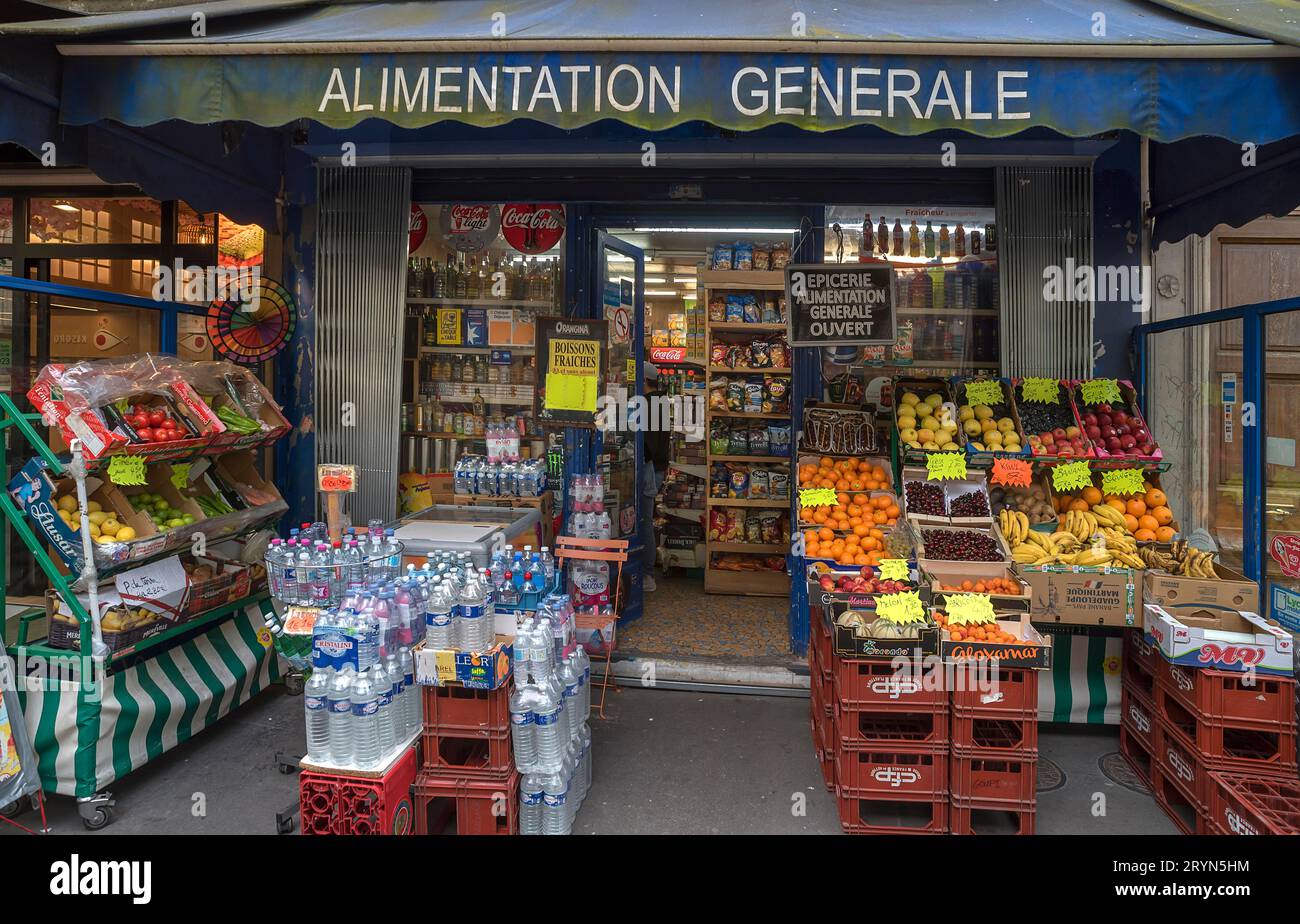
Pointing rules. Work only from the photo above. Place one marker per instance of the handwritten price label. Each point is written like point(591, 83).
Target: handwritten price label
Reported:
point(901, 607)
point(894, 569)
point(1095, 391)
point(180, 475)
point(1040, 390)
point(1122, 481)
point(126, 470)
point(336, 479)
point(945, 465)
point(817, 497)
point(1011, 472)
point(1072, 476)
point(969, 609)
point(984, 391)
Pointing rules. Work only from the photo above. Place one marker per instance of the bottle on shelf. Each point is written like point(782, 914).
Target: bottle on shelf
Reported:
point(959, 241)
point(945, 241)
point(913, 240)
point(867, 247)
point(897, 246)
point(882, 236)
point(928, 238)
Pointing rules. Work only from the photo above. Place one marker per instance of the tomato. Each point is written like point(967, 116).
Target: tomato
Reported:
point(157, 418)
point(145, 434)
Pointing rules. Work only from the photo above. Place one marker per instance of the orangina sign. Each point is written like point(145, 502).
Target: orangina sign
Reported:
point(571, 360)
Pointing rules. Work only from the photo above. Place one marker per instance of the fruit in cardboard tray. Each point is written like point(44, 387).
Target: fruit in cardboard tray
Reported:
point(924, 499)
point(862, 521)
point(970, 504)
point(960, 545)
point(995, 585)
point(154, 424)
point(923, 423)
point(1031, 501)
point(989, 428)
point(986, 632)
point(1119, 430)
point(1146, 517)
point(863, 582)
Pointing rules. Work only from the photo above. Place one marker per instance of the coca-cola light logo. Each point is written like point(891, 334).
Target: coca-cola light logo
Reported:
point(532, 227)
point(469, 218)
point(469, 226)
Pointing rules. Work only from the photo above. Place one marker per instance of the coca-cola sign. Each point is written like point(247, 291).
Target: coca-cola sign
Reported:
point(469, 226)
point(532, 227)
point(419, 228)
point(1286, 552)
point(668, 354)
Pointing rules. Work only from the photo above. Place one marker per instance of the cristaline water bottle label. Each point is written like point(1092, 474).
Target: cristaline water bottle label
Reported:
point(333, 648)
point(365, 709)
point(340, 706)
point(385, 698)
point(542, 718)
point(471, 612)
point(530, 798)
point(438, 620)
point(522, 718)
point(315, 703)
point(556, 799)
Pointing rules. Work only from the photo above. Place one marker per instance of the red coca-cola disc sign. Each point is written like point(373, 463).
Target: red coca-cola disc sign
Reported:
point(532, 227)
point(419, 228)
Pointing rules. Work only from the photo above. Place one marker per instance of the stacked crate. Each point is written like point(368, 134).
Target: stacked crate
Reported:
point(993, 764)
point(354, 803)
point(820, 692)
point(1186, 729)
point(467, 782)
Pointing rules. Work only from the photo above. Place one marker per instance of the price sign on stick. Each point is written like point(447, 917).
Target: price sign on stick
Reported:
point(894, 569)
point(1011, 472)
point(1040, 390)
point(1095, 391)
point(817, 497)
point(945, 465)
point(334, 481)
point(984, 391)
point(1122, 481)
point(127, 470)
point(1071, 477)
point(901, 607)
point(969, 608)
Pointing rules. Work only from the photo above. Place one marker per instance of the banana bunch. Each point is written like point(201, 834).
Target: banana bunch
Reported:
point(1082, 523)
point(1014, 526)
point(1181, 559)
point(1060, 548)
point(1109, 516)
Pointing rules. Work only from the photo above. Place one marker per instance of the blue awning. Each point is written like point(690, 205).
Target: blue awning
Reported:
point(1080, 67)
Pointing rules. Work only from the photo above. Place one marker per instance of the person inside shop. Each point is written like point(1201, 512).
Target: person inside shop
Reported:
point(654, 464)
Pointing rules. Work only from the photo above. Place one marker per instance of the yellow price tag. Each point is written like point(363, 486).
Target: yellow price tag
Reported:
point(1040, 390)
point(1072, 476)
point(180, 475)
point(901, 607)
point(1122, 481)
point(817, 497)
point(894, 569)
point(984, 391)
point(945, 465)
point(126, 470)
point(968, 609)
point(570, 392)
point(1095, 391)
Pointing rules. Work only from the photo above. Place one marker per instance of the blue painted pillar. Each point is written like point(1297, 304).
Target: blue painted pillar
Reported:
point(1117, 241)
point(296, 367)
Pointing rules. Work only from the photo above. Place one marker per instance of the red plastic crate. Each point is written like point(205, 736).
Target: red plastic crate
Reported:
point(1251, 747)
point(1142, 650)
point(978, 779)
point(820, 647)
point(460, 710)
point(1138, 715)
point(337, 803)
point(819, 689)
point(479, 755)
point(897, 771)
point(1180, 764)
point(1185, 815)
point(1254, 805)
point(887, 729)
point(878, 685)
point(967, 817)
point(1009, 690)
point(878, 813)
point(1137, 674)
point(1230, 696)
point(1139, 756)
point(992, 734)
point(447, 805)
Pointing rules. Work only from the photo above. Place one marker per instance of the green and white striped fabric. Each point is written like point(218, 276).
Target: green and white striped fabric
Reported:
point(1083, 685)
point(150, 707)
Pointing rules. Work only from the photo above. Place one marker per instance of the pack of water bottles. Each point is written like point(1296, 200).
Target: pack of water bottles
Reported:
point(550, 709)
point(589, 519)
point(522, 577)
point(359, 718)
point(308, 569)
point(499, 477)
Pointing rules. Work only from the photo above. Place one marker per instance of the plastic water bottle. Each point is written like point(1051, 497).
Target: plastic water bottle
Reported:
point(316, 702)
point(582, 668)
point(394, 550)
point(519, 653)
point(476, 624)
point(439, 620)
point(523, 727)
point(366, 752)
point(414, 697)
point(546, 720)
point(548, 567)
point(569, 684)
point(530, 804)
point(340, 716)
point(584, 737)
point(541, 653)
point(555, 810)
point(385, 706)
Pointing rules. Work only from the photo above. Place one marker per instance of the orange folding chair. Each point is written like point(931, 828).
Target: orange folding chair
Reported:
point(571, 548)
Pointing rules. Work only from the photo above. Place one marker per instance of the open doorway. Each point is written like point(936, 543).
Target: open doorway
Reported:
point(717, 377)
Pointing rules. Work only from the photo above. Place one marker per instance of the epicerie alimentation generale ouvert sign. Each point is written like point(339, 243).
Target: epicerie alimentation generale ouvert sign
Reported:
point(834, 304)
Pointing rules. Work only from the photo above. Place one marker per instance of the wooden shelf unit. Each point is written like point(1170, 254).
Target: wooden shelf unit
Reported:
point(721, 581)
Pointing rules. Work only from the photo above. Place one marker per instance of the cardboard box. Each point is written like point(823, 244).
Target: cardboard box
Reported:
point(952, 489)
point(1081, 595)
point(1033, 651)
point(1220, 639)
point(849, 644)
point(239, 469)
point(953, 573)
point(928, 563)
point(1231, 591)
point(475, 670)
point(985, 456)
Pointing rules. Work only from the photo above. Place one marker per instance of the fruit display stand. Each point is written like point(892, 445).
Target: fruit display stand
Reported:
point(142, 700)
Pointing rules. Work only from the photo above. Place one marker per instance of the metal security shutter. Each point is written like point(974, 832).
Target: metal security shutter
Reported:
point(1045, 216)
point(360, 286)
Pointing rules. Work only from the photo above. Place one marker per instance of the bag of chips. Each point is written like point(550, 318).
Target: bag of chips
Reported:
point(780, 255)
point(736, 395)
point(738, 482)
point(778, 440)
point(753, 397)
point(759, 482)
point(760, 354)
point(759, 442)
point(762, 256)
point(752, 312)
point(735, 309)
point(778, 484)
point(717, 308)
point(743, 257)
point(718, 393)
point(721, 258)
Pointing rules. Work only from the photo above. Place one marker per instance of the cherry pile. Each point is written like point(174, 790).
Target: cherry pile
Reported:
point(970, 504)
point(960, 545)
point(924, 499)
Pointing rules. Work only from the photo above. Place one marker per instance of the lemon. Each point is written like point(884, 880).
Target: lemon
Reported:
point(983, 411)
point(98, 516)
point(910, 398)
point(68, 502)
point(109, 527)
point(966, 412)
point(94, 506)
point(125, 534)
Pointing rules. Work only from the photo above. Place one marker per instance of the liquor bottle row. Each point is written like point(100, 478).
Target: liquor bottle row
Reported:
point(915, 242)
point(477, 277)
